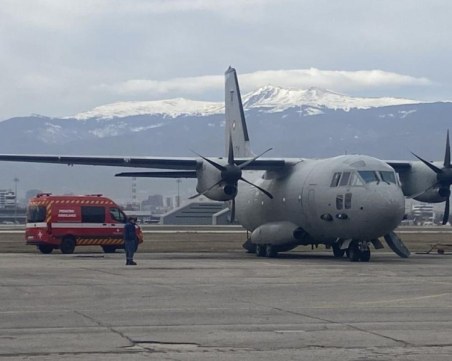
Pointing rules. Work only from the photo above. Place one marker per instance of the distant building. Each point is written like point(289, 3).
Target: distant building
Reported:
point(7, 199)
point(423, 213)
point(198, 213)
point(153, 203)
point(169, 203)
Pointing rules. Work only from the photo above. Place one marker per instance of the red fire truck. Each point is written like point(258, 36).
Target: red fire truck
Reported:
point(65, 222)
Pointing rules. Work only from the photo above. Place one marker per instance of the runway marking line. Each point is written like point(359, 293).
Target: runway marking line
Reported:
point(406, 299)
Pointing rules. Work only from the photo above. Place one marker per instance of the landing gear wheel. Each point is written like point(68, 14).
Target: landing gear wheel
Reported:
point(67, 245)
point(109, 249)
point(270, 251)
point(337, 252)
point(353, 252)
point(260, 250)
point(44, 248)
point(365, 256)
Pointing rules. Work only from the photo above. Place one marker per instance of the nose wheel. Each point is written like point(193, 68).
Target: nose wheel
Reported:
point(358, 251)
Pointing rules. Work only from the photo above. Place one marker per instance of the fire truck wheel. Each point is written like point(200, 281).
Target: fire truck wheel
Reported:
point(44, 248)
point(67, 245)
point(109, 249)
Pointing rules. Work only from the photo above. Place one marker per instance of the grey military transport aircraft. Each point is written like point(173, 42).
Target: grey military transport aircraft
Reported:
point(346, 202)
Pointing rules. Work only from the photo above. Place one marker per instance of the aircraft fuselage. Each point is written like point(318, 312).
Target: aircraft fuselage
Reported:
point(348, 197)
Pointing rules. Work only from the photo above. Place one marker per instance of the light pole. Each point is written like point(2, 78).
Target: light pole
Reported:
point(16, 180)
point(178, 181)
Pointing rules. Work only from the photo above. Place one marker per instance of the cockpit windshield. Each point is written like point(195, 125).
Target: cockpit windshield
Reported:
point(362, 177)
point(369, 176)
point(388, 177)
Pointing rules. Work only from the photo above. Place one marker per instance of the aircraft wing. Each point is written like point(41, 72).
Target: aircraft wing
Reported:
point(178, 163)
point(399, 165)
point(175, 163)
point(154, 174)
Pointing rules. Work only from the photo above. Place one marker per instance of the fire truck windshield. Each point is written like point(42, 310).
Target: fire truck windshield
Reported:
point(36, 214)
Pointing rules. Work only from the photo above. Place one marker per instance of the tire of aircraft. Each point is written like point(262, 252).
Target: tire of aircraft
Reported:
point(365, 256)
point(67, 245)
point(337, 252)
point(270, 251)
point(46, 249)
point(353, 252)
point(109, 249)
point(260, 250)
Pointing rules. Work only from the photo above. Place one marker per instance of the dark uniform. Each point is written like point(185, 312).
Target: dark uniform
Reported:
point(130, 240)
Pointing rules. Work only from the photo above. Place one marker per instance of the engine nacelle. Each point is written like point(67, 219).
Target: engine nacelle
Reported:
point(417, 180)
point(211, 182)
point(221, 192)
point(432, 196)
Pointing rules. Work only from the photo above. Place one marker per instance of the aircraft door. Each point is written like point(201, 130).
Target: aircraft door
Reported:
point(311, 209)
point(311, 201)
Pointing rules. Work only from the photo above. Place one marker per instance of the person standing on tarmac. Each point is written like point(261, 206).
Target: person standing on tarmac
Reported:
point(130, 240)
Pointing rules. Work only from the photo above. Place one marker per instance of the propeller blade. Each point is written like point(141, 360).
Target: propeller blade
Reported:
point(268, 194)
point(208, 189)
point(232, 218)
point(248, 162)
point(231, 151)
point(430, 165)
point(216, 165)
point(447, 155)
point(446, 212)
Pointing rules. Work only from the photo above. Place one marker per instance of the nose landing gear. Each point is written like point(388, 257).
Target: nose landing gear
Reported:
point(358, 251)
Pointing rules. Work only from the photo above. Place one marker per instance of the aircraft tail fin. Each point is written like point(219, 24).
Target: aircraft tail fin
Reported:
point(235, 127)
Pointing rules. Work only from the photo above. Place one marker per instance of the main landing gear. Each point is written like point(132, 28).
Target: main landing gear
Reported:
point(266, 250)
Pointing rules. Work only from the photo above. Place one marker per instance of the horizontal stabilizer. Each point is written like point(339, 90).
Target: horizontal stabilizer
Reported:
point(171, 174)
point(396, 244)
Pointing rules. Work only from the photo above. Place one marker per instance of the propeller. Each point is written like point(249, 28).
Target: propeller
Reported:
point(231, 173)
point(443, 178)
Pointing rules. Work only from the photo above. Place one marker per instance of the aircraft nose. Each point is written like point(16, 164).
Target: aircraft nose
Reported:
point(384, 209)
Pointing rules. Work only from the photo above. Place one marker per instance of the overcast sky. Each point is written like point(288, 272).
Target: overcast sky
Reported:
point(61, 57)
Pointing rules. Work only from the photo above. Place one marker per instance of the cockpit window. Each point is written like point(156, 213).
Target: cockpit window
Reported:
point(344, 179)
point(335, 180)
point(361, 177)
point(347, 179)
point(369, 176)
point(388, 177)
point(355, 180)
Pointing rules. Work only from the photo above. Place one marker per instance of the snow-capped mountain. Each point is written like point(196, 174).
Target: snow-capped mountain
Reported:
point(269, 99)
point(170, 108)
point(276, 99)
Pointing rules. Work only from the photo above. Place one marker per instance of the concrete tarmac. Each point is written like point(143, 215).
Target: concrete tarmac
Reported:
point(225, 306)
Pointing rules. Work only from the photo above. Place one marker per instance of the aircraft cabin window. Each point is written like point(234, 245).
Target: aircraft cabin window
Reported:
point(348, 200)
point(369, 176)
point(340, 201)
point(388, 177)
point(344, 179)
point(335, 180)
